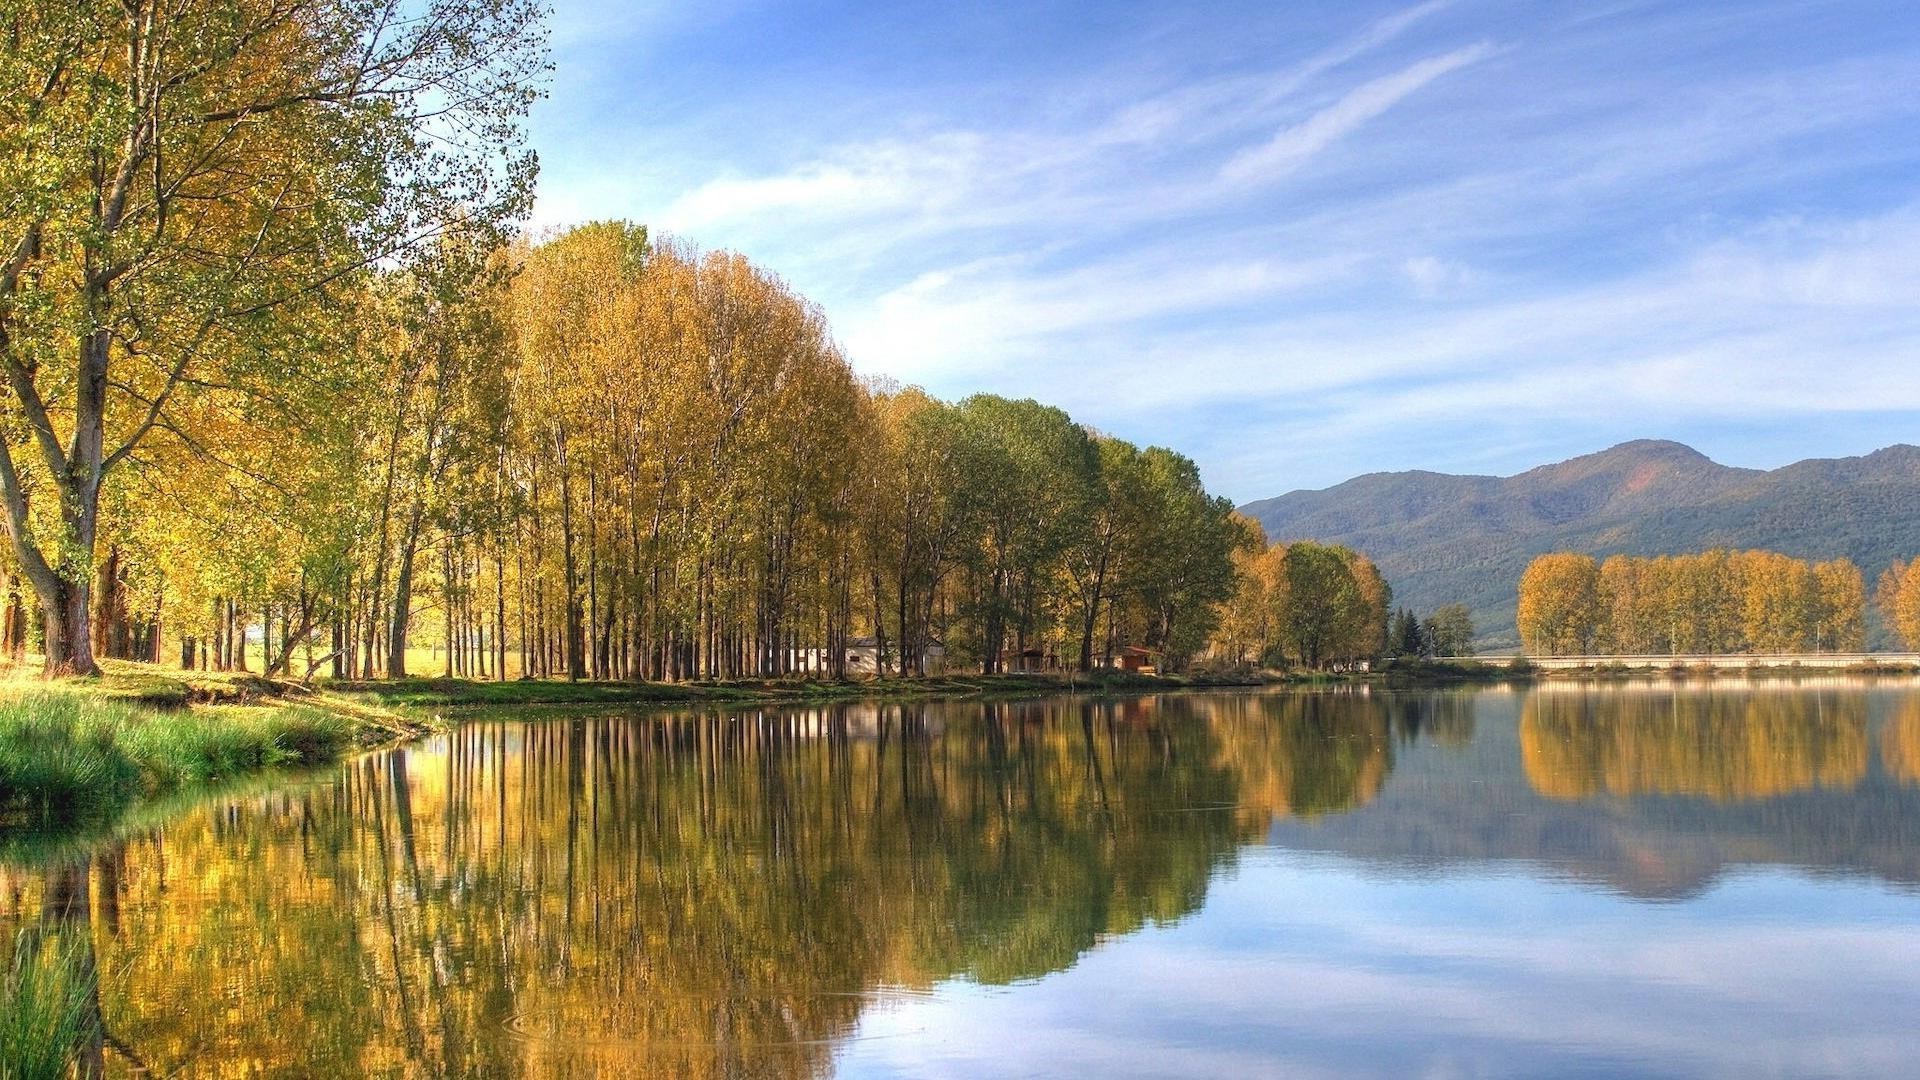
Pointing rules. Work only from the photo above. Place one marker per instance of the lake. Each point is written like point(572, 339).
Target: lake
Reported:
point(1622, 879)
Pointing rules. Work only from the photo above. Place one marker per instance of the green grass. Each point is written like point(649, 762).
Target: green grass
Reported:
point(67, 754)
point(46, 1007)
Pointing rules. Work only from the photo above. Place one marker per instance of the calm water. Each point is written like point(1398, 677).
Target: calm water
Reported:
point(1566, 881)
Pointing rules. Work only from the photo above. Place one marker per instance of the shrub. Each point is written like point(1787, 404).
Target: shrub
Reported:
point(308, 736)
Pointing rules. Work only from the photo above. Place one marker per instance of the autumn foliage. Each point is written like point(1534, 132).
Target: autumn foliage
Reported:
point(1713, 602)
point(1303, 603)
point(1898, 598)
point(606, 454)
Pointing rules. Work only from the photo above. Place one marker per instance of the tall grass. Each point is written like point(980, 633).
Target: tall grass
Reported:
point(46, 1006)
point(64, 755)
point(60, 755)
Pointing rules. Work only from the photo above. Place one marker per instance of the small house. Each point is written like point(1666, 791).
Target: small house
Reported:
point(863, 656)
point(1030, 659)
point(1135, 658)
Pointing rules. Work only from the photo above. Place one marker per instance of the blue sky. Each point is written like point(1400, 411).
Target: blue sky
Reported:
point(1300, 240)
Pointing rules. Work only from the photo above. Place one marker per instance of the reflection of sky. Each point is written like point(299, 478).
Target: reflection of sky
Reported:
point(1302, 965)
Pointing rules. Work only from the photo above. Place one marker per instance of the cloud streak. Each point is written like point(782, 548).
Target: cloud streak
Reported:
point(1293, 146)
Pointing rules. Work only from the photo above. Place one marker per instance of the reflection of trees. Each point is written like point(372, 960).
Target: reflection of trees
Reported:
point(1444, 717)
point(1300, 754)
point(685, 896)
point(1723, 746)
point(1900, 744)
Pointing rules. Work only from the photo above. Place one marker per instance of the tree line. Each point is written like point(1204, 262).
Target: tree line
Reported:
point(1720, 601)
point(606, 456)
point(1446, 632)
point(284, 386)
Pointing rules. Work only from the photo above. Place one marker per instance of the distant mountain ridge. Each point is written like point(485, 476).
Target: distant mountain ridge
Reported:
point(1441, 538)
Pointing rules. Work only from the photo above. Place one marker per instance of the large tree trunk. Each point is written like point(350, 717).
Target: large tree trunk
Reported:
point(63, 589)
point(69, 641)
point(1091, 616)
point(67, 604)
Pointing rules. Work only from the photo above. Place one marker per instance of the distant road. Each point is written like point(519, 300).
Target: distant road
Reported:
point(1729, 661)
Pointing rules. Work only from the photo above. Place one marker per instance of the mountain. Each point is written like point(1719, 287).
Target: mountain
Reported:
point(1441, 538)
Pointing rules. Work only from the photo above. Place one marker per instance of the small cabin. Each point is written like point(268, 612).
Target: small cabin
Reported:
point(1033, 658)
point(1134, 658)
point(863, 656)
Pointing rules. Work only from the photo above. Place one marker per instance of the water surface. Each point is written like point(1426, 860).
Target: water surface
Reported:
point(1632, 879)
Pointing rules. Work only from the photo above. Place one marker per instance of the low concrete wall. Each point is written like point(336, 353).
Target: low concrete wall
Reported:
point(1724, 662)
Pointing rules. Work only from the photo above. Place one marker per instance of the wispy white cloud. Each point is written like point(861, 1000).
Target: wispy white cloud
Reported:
point(1209, 106)
point(1009, 312)
point(1433, 276)
point(1292, 146)
point(859, 181)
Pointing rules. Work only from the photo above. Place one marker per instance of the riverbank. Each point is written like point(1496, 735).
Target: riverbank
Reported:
point(79, 750)
point(85, 750)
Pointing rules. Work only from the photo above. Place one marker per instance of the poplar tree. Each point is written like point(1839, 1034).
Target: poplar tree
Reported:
point(178, 176)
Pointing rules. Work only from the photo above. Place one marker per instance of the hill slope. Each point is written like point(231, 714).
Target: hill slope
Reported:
point(1442, 538)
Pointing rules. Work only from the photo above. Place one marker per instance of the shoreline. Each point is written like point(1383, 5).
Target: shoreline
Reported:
point(80, 757)
point(170, 735)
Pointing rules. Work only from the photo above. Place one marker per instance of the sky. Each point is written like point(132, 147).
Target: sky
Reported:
point(1300, 240)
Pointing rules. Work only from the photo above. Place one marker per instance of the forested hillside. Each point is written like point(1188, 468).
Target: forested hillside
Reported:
point(1441, 538)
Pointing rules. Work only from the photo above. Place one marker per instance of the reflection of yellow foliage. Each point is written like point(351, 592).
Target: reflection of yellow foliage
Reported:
point(1900, 745)
point(698, 896)
point(1723, 746)
point(1300, 754)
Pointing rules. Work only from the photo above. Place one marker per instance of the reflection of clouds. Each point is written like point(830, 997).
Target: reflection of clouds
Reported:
point(1296, 968)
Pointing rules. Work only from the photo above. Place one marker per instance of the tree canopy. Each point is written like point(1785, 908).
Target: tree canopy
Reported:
point(191, 189)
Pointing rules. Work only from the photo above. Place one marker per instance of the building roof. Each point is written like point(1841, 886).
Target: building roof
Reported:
point(868, 642)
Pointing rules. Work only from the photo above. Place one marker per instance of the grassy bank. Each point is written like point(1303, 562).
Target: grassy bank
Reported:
point(1453, 672)
point(82, 750)
point(66, 754)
